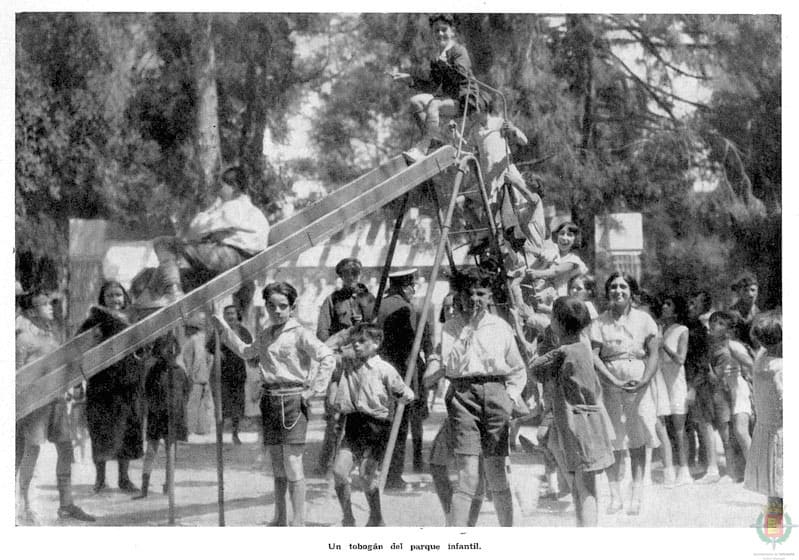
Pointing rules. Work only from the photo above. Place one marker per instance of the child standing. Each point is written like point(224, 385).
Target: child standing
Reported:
point(764, 468)
point(729, 362)
point(487, 375)
point(364, 395)
point(581, 425)
point(166, 406)
point(285, 350)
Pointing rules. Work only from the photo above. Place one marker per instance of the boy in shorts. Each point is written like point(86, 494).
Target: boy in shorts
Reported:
point(725, 393)
point(487, 375)
point(364, 394)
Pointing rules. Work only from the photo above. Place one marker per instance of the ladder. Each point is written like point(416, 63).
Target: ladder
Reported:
point(47, 378)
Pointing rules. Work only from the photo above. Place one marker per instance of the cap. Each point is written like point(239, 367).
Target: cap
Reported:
point(402, 277)
point(348, 264)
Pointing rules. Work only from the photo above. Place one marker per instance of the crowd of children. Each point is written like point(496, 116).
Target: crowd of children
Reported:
point(601, 388)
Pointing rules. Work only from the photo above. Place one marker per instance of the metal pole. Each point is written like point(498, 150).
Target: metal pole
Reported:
point(417, 340)
point(390, 256)
point(434, 196)
point(220, 462)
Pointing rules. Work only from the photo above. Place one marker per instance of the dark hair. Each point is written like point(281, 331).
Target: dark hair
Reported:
point(589, 283)
point(723, 317)
point(235, 177)
point(107, 285)
point(282, 288)
point(236, 307)
point(572, 227)
point(624, 276)
point(367, 330)
point(449, 19)
point(679, 304)
point(476, 278)
point(571, 313)
point(707, 299)
point(26, 301)
point(767, 328)
point(166, 347)
point(744, 281)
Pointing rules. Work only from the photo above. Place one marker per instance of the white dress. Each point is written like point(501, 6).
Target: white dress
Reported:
point(670, 381)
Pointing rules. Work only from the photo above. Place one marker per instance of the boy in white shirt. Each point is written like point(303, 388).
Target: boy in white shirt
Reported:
point(365, 394)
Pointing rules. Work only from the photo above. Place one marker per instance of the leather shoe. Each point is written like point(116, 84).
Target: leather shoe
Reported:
point(74, 512)
point(128, 486)
point(396, 484)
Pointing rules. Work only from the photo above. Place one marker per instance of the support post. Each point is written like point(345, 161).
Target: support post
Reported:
point(417, 340)
point(390, 256)
point(220, 423)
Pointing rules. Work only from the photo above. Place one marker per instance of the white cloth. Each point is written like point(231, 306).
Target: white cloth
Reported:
point(672, 389)
point(238, 221)
point(285, 355)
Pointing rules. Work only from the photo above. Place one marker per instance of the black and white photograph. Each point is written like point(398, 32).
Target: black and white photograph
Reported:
point(510, 266)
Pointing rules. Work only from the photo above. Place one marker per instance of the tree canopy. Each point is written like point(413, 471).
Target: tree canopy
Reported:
point(129, 117)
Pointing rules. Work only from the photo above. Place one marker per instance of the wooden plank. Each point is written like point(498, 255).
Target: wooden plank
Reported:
point(335, 199)
point(40, 382)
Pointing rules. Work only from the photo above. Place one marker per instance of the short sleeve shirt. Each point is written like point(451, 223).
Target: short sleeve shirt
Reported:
point(622, 341)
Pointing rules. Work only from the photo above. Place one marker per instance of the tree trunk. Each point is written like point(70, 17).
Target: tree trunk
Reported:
point(208, 141)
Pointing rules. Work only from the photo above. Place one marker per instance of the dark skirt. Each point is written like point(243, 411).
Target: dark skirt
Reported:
point(114, 416)
point(158, 425)
point(285, 419)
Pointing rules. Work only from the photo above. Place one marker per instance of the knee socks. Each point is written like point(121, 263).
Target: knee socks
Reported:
point(26, 469)
point(297, 493)
point(443, 486)
point(281, 517)
point(503, 504)
point(375, 513)
point(344, 495)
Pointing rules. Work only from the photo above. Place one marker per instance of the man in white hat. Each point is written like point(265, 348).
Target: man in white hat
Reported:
point(398, 319)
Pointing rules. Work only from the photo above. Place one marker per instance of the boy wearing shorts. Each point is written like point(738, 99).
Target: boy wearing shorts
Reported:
point(487, 375)
point(365, 394)
point(725, 393)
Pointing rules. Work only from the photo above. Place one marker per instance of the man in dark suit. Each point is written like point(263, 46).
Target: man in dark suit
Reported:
point(398, 319)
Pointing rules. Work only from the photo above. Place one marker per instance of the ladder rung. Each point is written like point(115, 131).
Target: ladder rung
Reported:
point(462, 231)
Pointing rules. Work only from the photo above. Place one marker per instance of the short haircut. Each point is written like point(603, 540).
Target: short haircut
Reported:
point(231, 306)
point(707, 299)
point(728, 319)
point(449, 19)
point(589, 283)
point(767, 328)
point(744, 281)
point(572, 227)
point(235, 177)
point(571, 313)
point(624, 276)
point(476, 278)
point(282, 288)
point(367, 330)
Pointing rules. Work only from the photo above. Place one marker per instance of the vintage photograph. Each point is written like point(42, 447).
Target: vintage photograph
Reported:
point(399, 270)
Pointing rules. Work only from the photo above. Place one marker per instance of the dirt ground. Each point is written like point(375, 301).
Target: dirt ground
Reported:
point(249, 501)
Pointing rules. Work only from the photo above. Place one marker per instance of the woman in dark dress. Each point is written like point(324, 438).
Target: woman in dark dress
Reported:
point(114, 409)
